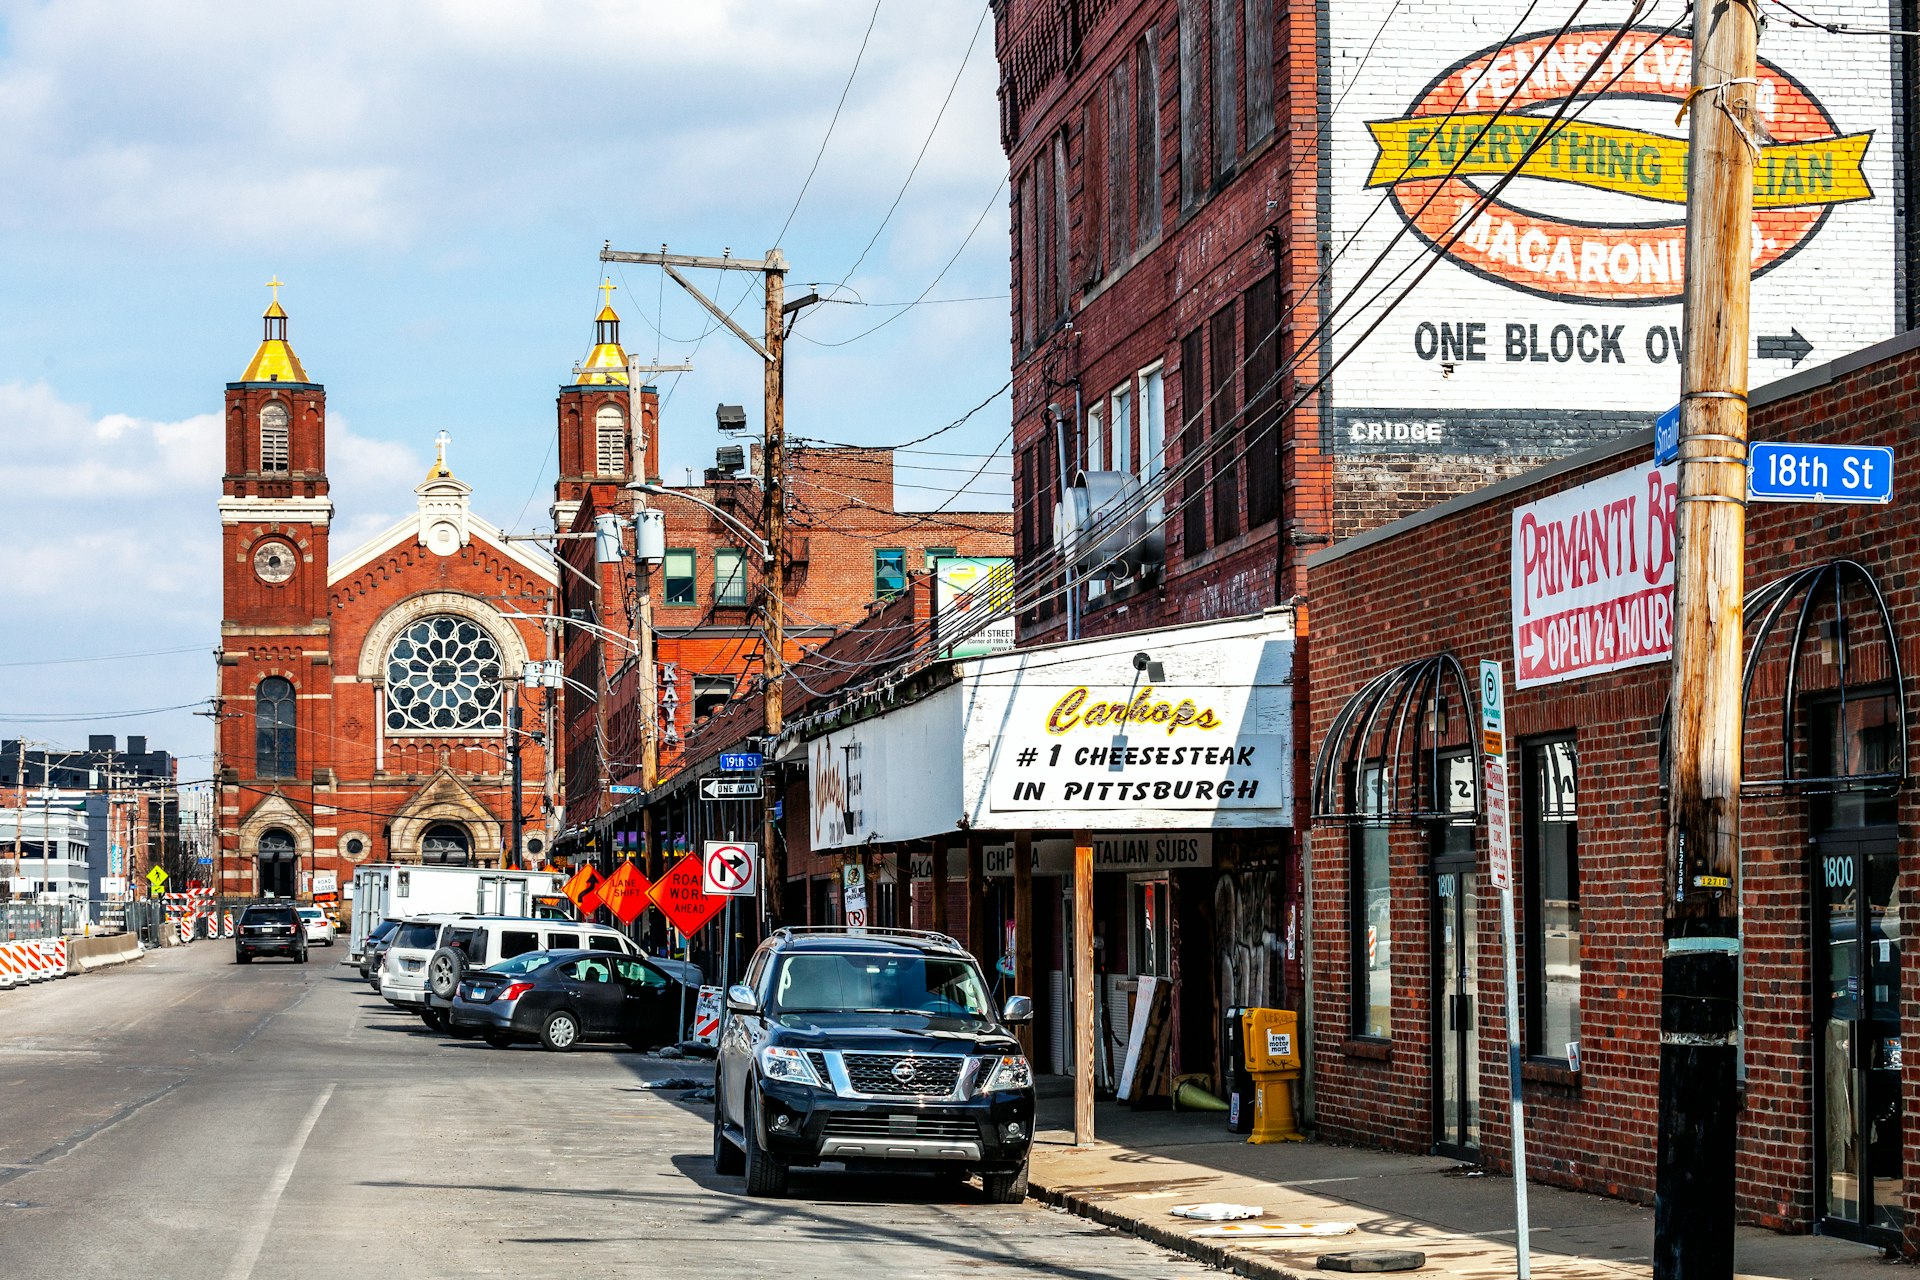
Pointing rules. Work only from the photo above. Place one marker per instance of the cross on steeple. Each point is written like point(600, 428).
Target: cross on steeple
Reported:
point(440, 444)
point(606, 292)
point(274, 284)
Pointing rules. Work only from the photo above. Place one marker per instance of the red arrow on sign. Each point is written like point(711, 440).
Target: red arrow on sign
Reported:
point(681, 899)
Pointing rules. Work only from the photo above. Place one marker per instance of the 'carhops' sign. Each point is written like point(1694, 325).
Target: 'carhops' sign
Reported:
point(1592, 577)
point(1551, 319)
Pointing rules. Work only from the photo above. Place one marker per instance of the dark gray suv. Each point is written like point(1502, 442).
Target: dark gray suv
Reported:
point(270, 929)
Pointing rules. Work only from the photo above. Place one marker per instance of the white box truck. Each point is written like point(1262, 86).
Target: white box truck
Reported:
point(387, 889)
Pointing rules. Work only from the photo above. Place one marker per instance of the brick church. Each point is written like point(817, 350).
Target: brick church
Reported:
point(364, 699)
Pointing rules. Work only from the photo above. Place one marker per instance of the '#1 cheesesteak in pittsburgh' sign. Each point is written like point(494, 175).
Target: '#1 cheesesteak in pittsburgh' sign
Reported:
point(1472, 122)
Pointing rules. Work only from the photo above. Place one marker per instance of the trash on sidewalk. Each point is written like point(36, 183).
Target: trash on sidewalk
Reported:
point(1190, 1094)
point(1258, 1230)
point(671, 1082)
point(1216, 1211)
point(702, 1094)
point(1372, 1260)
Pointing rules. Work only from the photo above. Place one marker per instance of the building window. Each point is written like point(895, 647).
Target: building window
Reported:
point(1263, 401)
point(446, 845)
point(275, 725)
point(729, 576)
point(274, 448)
point(1058, 214)
point(939, 553)
point(710, 693)
point(679, 571)
point(1146, 138)
point(1096, 439)
point(1259, 34)
point(1193, 21)
point(609, 441)
point(889, 572)
point(1552, 883)
point(1226, 85)
point(1223, 441)
point(1120, 154)
point(1120, 423)
point(1150, 927)
point(1371, 916)
point(1193, 417)
point(443, 675)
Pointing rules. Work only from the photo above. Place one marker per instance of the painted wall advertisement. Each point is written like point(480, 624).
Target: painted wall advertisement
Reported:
point(1592, 577)
point(973, 600)
point(1554, 315)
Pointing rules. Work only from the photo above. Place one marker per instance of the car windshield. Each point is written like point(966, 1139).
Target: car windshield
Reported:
point(267, 915)
point(928, 986)
point(520, 964)
point(421, 935)
point(312, 913)
point(386, 927)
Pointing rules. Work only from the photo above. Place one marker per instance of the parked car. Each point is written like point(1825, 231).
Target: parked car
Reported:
point(877, 1050)
point(319, 926)
point(561, 998)
point(476, 941)
point(403, 969)
point(374, 948)
point(269, 929)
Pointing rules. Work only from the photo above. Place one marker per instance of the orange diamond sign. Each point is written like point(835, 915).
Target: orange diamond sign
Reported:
point(681, 898)
point(625, 893)
point(581, 884)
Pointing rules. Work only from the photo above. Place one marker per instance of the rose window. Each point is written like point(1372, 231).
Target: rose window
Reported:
point(443, 676)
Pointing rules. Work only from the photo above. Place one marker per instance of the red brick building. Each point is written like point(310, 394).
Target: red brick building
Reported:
point(1409, 1036)
point(363, 699)
point(847, 546)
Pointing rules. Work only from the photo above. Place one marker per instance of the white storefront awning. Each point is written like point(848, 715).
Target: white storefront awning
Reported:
point(1183, 728)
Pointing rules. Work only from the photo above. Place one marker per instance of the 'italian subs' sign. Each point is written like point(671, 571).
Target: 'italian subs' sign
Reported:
point(1592, 577)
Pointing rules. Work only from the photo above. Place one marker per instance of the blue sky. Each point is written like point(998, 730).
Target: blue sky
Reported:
point(433, 180)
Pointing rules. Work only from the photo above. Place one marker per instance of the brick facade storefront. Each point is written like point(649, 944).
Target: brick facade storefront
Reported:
point(1440, 584)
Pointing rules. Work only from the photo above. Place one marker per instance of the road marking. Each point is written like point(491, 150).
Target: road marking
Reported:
point(241, 1268)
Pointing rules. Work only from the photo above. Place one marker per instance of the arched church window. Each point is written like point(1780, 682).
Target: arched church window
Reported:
point(446, 845)
point(273, 438)
point(275, 725)
point(610, 441)
point(443, 675)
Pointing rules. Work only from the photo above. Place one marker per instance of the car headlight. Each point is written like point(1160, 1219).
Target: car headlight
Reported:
point(790, 1065)
point(1011, 1072)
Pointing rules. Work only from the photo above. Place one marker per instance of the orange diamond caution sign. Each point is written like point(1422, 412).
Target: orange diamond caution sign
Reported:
point(681, 899)
point(581, 884)
point(624, 893)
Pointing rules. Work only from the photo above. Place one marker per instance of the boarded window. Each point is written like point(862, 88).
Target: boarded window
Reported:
point(273, 438)
point(1263, 402)
point(1023, 259)
point(1119, 156)
point(1193, 20)
point(1193, 414)
point(1259, 14)
point(1224, 410)
point(1226, 85)
point(1146, 138)
point(1058, 209)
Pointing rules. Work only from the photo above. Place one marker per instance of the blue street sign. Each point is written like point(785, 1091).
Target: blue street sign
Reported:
point(620, 790)
point(1819, 473)
point(741, 761)
point(1666, 437)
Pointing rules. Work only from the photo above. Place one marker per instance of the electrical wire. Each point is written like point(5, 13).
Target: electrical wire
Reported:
point(1838, 28)
point(109, 657)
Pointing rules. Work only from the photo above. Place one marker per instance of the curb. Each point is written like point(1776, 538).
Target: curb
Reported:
point(1214, 1255)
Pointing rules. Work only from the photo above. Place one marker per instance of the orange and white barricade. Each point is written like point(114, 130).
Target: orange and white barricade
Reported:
point(14, 969)
point(56, 952)
point(226, 925)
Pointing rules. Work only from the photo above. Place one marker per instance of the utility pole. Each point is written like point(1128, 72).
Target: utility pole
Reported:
point(772, 350)
point(1700, 989)
point(514, 688)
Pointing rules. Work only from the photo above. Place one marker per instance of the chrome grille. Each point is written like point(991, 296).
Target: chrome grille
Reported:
point(819, 1061)
point(901, 1126)
point(903, 1075)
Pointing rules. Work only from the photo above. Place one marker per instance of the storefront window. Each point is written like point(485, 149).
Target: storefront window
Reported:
point(1148, 945)
point(1552, 885)
point(1372, 915)
point(1857, 739)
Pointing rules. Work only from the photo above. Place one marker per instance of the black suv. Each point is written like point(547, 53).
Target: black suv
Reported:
point(879, 1050)
point(270, 929)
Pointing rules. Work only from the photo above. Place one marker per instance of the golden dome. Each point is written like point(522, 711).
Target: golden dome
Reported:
point(275, 360)
point(606, 364)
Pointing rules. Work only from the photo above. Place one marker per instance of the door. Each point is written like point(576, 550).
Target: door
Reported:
point(651, 1012)
point(1857, 991)
point(1456, 985)
point(600, 1000)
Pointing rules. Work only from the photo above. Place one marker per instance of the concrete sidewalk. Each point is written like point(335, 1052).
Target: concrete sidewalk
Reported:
point(1147, 1162)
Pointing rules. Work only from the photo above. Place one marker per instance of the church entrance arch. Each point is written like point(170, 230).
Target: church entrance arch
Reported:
point(279, 864)
point(446, 844)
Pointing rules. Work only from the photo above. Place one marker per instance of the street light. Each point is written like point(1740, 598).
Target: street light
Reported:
point(660, 490)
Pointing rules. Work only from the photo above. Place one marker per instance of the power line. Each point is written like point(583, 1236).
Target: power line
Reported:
point(108, 657)
point(831, 124)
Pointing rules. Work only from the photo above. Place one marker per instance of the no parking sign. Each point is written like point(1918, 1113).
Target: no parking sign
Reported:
point(730, 869)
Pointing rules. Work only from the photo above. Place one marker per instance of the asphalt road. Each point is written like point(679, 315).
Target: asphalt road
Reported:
point(187, 1117)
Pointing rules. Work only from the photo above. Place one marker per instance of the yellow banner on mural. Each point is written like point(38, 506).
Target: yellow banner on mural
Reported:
point(1607, 157)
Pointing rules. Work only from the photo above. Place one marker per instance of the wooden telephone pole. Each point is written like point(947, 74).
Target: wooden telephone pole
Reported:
point(1700, 991)
point(772, 350)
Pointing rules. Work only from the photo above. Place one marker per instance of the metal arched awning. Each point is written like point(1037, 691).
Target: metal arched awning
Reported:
point(1403, 750)
point(1818, 615)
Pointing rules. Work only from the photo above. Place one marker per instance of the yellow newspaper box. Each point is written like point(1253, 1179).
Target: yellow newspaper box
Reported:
point(1272, 1040)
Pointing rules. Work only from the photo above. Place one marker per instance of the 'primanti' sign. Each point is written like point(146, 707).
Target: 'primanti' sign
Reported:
point(1593, 577)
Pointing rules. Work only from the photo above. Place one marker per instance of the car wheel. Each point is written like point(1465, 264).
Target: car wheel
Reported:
point(728, 1160)
point(766, 1174)
point(561, 1031)
point(434, 1018)
point(499, 1040)
point(1005, 1188)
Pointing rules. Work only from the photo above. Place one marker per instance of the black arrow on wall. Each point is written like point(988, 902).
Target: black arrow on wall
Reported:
point(1792, 347)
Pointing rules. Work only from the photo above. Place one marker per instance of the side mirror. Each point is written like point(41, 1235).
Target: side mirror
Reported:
point(740, 999)
point(1019, 1009)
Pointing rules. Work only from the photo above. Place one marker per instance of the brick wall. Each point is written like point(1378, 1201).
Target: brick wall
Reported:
point(1442, 585)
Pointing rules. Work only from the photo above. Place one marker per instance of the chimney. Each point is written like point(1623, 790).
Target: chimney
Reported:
point(649, 424)
point(136, 746)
